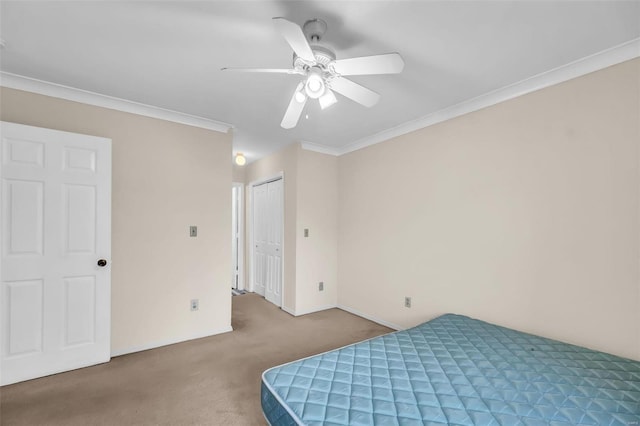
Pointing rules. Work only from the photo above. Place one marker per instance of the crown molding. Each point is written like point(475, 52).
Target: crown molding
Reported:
point(322, 149)
point(606, 58)
point(19, 82)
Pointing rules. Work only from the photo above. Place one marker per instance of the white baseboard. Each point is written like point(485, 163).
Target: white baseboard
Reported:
point(344, 308)
point(288, 310)
point(370, 317)
point(321, 308)
point(158, 344)
point(308, 311)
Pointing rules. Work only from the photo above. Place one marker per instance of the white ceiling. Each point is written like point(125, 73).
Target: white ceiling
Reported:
point(169, 55)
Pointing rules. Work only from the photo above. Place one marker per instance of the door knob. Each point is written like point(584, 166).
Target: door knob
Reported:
point(102, 263)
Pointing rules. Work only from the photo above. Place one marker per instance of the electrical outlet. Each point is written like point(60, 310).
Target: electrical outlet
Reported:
point(195, 304)
point(321, 286)
point(306, 232)
point(193, 231)
point(407, 302)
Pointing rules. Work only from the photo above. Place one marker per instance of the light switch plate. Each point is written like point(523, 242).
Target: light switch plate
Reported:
point(193, 231)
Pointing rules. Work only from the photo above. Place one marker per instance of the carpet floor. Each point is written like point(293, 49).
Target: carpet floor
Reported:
point(210, 381)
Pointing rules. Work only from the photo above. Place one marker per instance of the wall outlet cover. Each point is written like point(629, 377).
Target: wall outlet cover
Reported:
point(321, 286)
point(193, 231)
point(195, 304)
point(407, 302)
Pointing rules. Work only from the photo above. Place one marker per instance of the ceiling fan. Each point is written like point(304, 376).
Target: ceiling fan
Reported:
point(323, 73)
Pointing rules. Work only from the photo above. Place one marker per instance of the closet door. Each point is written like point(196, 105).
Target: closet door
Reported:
point(273, 287)
point(268, 226)
point(259, 238)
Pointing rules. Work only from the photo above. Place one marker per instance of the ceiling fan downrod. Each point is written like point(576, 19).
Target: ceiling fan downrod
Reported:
point(314, 29)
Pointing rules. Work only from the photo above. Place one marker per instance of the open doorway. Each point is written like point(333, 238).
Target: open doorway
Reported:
point(237, 238)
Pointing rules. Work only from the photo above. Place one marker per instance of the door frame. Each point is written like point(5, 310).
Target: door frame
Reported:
point(240, 214)
point(249, 227)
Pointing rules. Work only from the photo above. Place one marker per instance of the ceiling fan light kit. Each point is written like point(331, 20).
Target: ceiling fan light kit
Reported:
point(327, 99)
point(322, 73)
point(314, 85)
point(300, 96)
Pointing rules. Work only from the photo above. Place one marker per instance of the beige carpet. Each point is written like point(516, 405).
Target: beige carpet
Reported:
point(210, 381)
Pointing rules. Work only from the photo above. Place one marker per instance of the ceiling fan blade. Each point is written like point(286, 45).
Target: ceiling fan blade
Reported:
point(294, 110)
point(390, 63)
point(267, 70)
point(296, 38)
point(354, 91)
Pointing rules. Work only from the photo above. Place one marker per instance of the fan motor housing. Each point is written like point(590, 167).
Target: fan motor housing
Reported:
point(322, 54)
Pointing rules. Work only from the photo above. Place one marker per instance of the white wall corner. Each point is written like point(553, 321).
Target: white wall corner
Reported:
point(606, 58)
point(27, 84)
point(158, 344)
point(370, 317)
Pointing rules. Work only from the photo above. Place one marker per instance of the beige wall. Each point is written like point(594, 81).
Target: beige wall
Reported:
point(166, 176)
point(310, 181)
point(317, 254)
point(523, 214)
point(238, 173)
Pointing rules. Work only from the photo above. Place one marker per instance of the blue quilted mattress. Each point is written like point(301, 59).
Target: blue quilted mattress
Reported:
point(459, 371)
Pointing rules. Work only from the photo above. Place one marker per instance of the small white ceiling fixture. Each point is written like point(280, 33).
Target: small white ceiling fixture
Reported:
point(240, 159)
point(322, 72)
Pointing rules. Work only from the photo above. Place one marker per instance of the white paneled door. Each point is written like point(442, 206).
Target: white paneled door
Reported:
point(267, 237)
point(259, 200)
point(56, 247)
